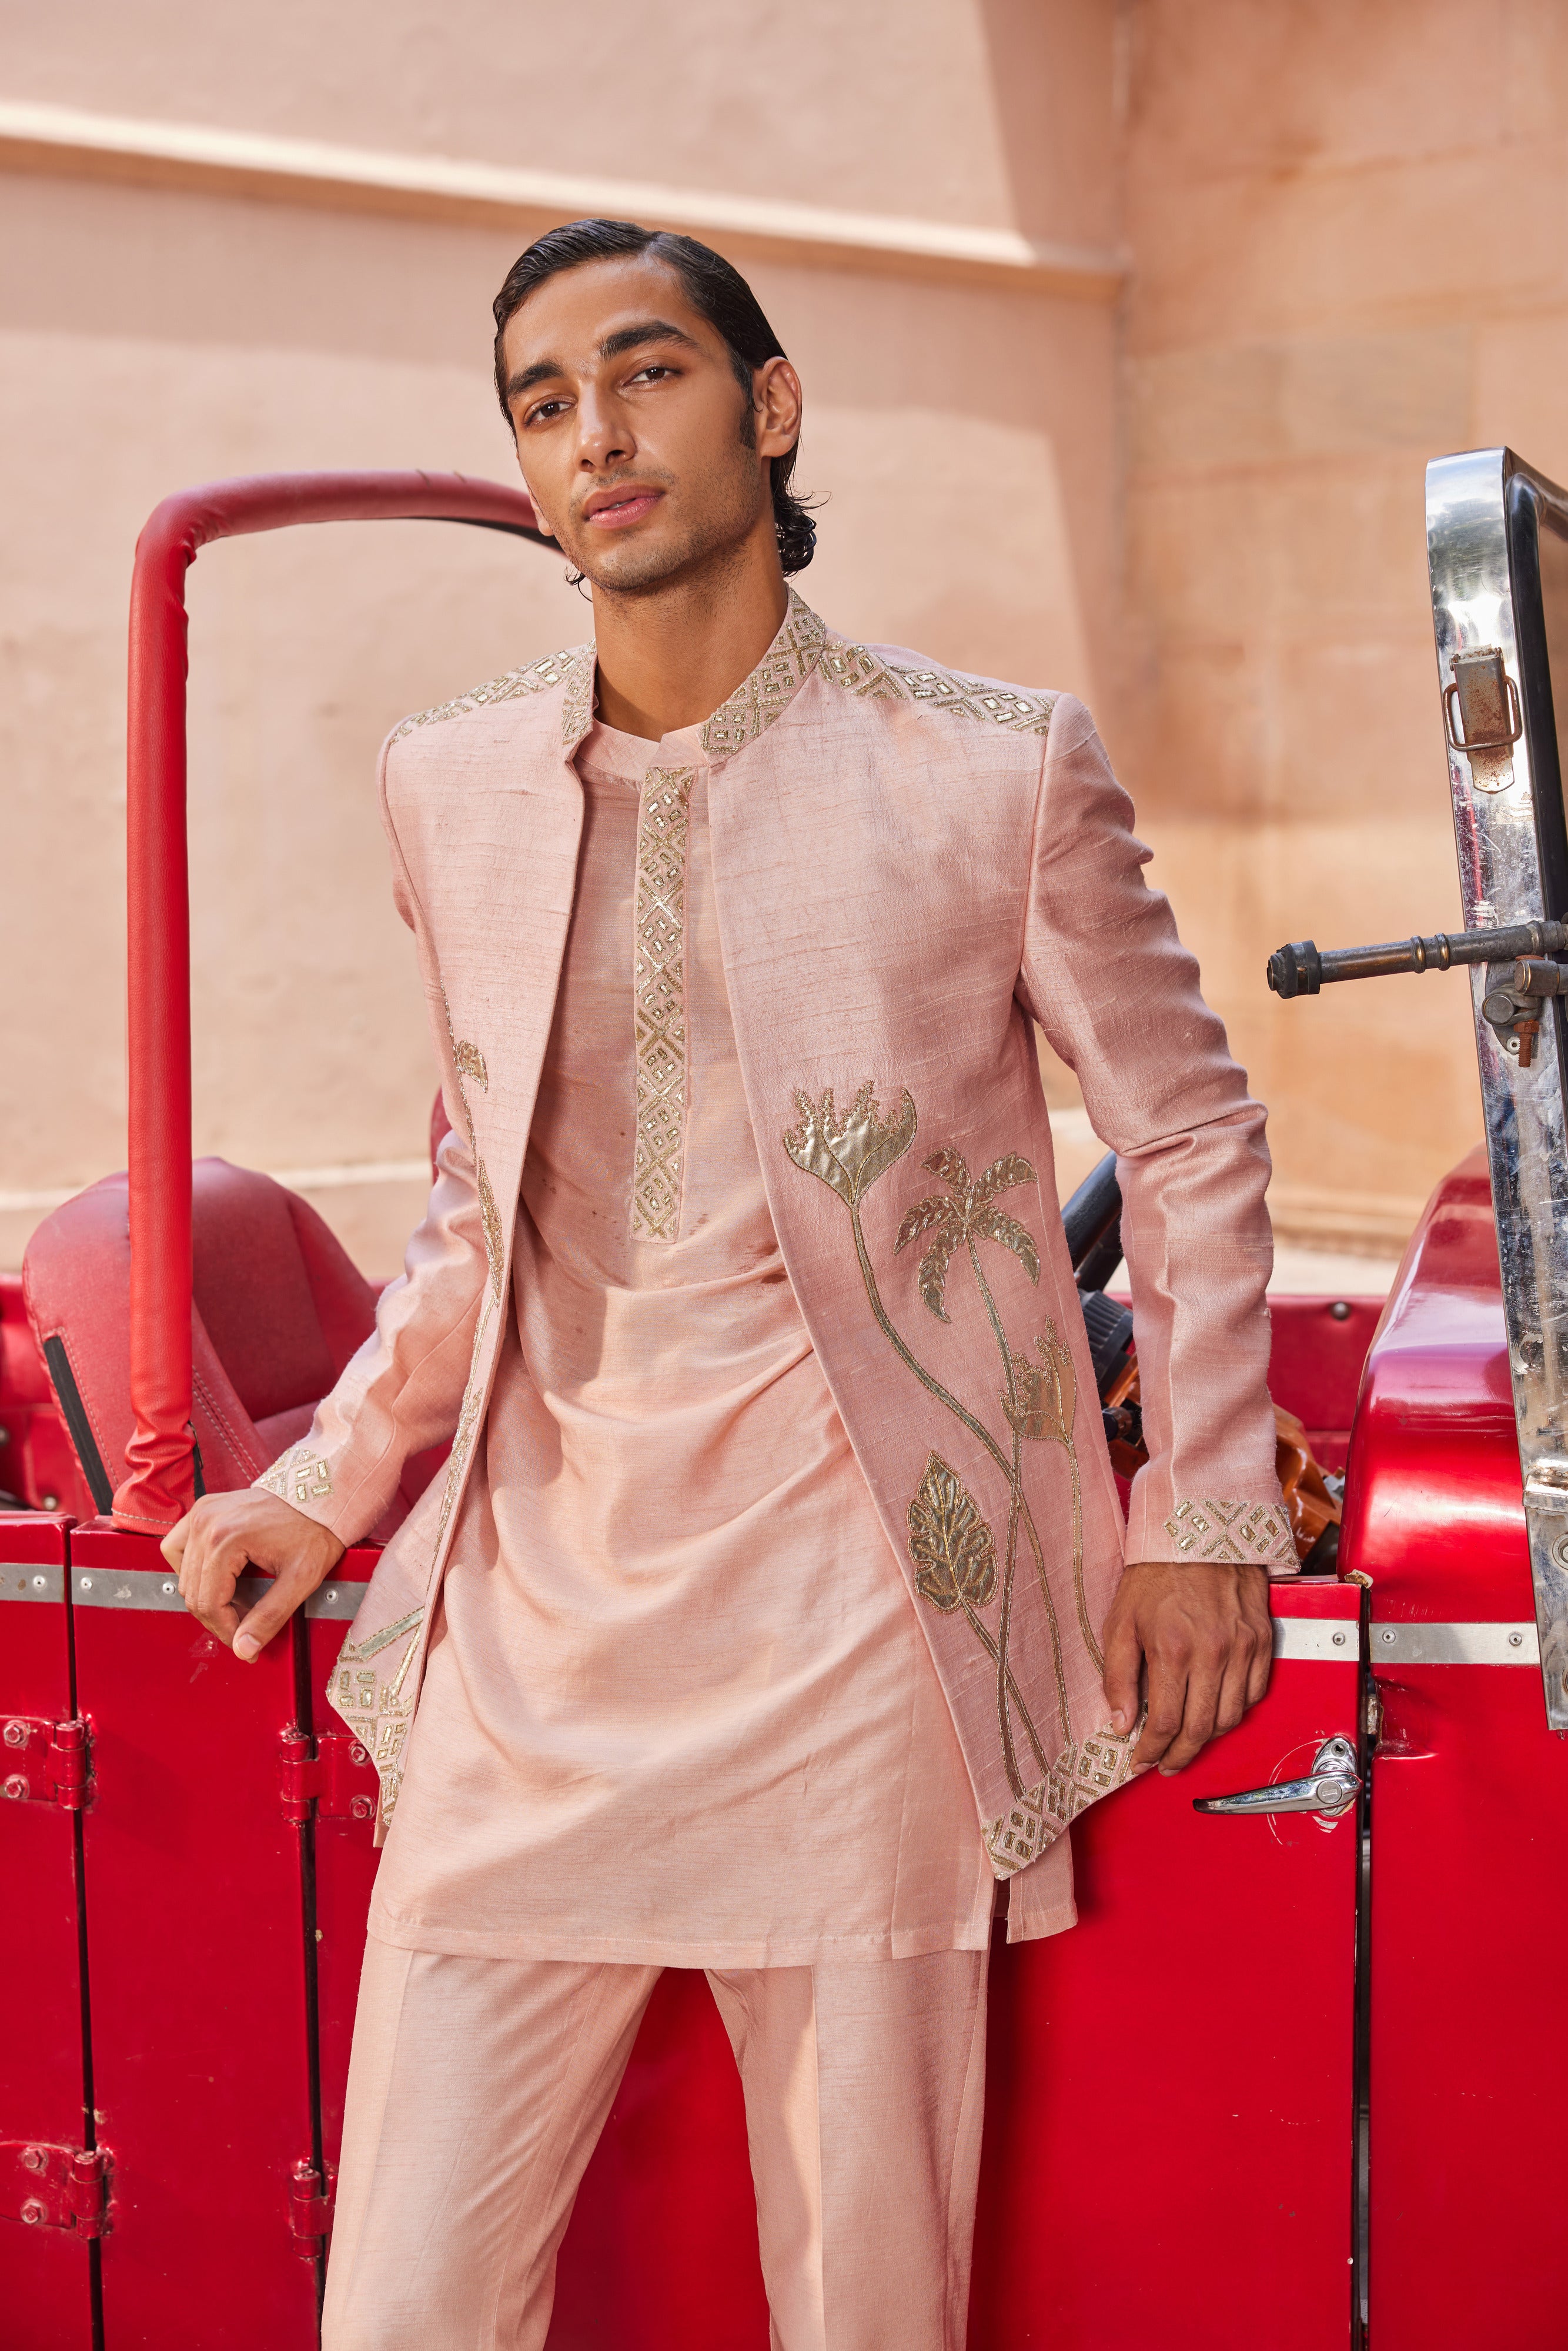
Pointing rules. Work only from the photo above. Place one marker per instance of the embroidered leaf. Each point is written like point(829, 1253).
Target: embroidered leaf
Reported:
point(932, 1211)
point(934, 1267)
point(1002, 1175)
point(953, 1168)
point(952, 1547)
point(994, 1225)
point(851, 1152)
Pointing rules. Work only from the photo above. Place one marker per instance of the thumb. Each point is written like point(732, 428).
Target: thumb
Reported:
point(1124, 1663)
point(271, 1614)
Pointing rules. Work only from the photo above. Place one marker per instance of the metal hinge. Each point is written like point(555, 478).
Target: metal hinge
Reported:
point(310, 2208)
point(334, 1779)
point(45, 1762)
point(48, 2187)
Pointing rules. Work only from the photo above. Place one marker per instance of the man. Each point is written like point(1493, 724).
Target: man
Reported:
point(768, 1613)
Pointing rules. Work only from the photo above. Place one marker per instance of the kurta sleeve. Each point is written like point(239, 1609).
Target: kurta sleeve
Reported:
point(1117, 996)
point(403, 1392)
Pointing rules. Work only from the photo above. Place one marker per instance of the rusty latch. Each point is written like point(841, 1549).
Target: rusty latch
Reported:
point(46, 2186)
point(310, 2208)
point(1490, 721)
point(339, 1779)
point(45, 1762)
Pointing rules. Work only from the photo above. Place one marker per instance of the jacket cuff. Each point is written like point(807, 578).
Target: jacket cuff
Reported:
point(1233, 1529)
point(303, 1479)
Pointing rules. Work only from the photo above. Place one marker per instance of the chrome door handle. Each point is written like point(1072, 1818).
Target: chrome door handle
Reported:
point(1331, 1788)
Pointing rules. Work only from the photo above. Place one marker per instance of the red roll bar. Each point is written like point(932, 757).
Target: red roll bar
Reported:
point(159, 1487)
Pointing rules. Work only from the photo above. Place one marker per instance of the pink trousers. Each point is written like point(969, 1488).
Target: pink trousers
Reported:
point(479, 2087)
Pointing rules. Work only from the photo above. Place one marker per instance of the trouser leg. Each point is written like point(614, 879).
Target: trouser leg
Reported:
point(476, 2091)
point(864, 2097)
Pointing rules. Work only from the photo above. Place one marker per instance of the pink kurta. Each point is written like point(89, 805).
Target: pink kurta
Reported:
point(678, 1708)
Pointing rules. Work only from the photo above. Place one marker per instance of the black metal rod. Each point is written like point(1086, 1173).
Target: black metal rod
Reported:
point(1302, 969)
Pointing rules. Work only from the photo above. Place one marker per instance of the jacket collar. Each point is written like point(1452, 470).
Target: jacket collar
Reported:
point(748, 712)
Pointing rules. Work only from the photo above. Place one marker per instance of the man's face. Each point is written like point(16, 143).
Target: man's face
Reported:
point(641, 452)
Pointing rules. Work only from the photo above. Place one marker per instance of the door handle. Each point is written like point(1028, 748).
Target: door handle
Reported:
point(1331, 1788)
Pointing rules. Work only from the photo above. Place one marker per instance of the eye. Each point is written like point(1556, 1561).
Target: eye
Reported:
point(652, 372)
point(545, 413)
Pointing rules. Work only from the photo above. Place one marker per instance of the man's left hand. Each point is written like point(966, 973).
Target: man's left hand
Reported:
point(1204, 1633)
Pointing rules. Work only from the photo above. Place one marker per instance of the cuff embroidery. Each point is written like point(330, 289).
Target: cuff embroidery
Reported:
point(298, 1476)
point(1232, 1531)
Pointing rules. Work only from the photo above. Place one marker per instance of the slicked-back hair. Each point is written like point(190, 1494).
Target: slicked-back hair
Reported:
point(716, 290)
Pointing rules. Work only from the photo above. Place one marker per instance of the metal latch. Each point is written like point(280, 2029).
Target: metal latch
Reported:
point(1330, 1788)
point(46, 2186)
point(310, 2208)
point(45, 1762)
point(1489, 721)
point(332, 1779)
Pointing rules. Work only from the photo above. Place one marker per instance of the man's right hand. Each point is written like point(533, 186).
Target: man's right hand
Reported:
point(225, 1534)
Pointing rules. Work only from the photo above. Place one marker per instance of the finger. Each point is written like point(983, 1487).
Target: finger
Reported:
point(173, 1543)
point(1198, 1715)
point(1231, 1704)
point(1167, 1700)
point(1124, 1664)
point(271, 1615)
point(210, 1592)
point(1262, 1663)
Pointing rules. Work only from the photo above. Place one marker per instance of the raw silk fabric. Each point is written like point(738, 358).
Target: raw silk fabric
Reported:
point(677, 1707)
point(908, 866)
point(479, 2087)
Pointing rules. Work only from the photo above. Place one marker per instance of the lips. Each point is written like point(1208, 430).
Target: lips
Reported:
point(614, 509)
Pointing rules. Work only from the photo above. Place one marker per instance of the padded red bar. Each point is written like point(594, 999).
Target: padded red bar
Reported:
point(158, 1488)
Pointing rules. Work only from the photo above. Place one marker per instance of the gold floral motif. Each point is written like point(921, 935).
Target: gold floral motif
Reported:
point(953, 1551)
point(534, 677)
point(849, 1151)
point(468, 1061)
point(1085, 1771)
point(471, 1061)
point(763, 696)
point(1232, 1531)
point(659, 1004)
point(298, 1477)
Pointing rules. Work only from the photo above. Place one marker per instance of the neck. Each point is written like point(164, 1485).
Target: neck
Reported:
point(669, 657)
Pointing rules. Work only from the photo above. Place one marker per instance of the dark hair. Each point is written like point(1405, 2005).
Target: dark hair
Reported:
point(716, 290)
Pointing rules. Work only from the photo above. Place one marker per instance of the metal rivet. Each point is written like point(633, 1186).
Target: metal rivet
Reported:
point(1516, 1640)
point(84, 1583)
point(32, 2158)
point(170, 1587)
point(1388, 1637)
point(329, 1597)
point(51, 1501)
point(1338, 1640)
point(15, 1734)
point(40, 1582)
point(33, 2213)
point(1340, 1309)
point(16, 1787)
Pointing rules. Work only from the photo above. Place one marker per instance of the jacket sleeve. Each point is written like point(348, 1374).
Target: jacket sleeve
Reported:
point(404, 1390)
point(1117, 996)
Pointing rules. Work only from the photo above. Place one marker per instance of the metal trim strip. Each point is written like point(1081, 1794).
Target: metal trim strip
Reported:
point(1320, 1640)
point(1455, 1645)
point(157, 1589)
point(32, 1579)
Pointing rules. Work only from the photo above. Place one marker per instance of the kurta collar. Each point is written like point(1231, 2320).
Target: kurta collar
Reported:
point(749, 711)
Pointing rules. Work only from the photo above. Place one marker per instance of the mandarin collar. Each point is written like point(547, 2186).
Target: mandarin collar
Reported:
point(747, 713)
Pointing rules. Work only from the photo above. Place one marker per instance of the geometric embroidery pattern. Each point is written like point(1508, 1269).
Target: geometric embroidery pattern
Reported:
point(659, 1003)
point(298, 1476)
point(1081, 1774)
point(1235, 1533)
point(533, 677)
point(861, 671)
point(761, 698)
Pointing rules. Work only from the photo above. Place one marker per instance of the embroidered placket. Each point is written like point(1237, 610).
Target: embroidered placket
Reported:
point(659, 1003)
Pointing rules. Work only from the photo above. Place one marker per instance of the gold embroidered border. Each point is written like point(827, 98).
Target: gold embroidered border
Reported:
point(858, 671)
point(298, 1476)
point(574, 666)
point(659, 1003)
point(379, 1711)
point(1232, 1531)
point(1086, 1770)
point(762, 697)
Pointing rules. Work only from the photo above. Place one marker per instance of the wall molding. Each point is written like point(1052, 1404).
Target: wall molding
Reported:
point(64, 140)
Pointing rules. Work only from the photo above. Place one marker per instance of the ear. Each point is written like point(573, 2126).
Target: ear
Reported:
point(777, 397)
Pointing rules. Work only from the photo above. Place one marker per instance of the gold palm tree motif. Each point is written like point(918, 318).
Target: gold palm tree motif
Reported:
point(952, 1548)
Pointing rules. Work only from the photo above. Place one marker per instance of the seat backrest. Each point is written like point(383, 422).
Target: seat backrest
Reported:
point(277, 1310)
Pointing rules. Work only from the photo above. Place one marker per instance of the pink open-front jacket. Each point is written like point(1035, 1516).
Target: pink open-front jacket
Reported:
point(909, 867)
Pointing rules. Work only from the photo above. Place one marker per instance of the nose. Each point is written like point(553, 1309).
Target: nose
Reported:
point(604, 436)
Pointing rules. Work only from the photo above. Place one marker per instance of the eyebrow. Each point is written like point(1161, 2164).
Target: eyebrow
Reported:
point(613, 346)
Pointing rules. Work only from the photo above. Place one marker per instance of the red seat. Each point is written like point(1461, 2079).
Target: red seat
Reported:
point(277, 1310)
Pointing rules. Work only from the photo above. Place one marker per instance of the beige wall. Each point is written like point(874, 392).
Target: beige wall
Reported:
point(1347, 225)
point(961, 427)
point(1200, 506)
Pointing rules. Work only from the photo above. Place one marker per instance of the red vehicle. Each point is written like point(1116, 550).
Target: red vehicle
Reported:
point(1292, 2080)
